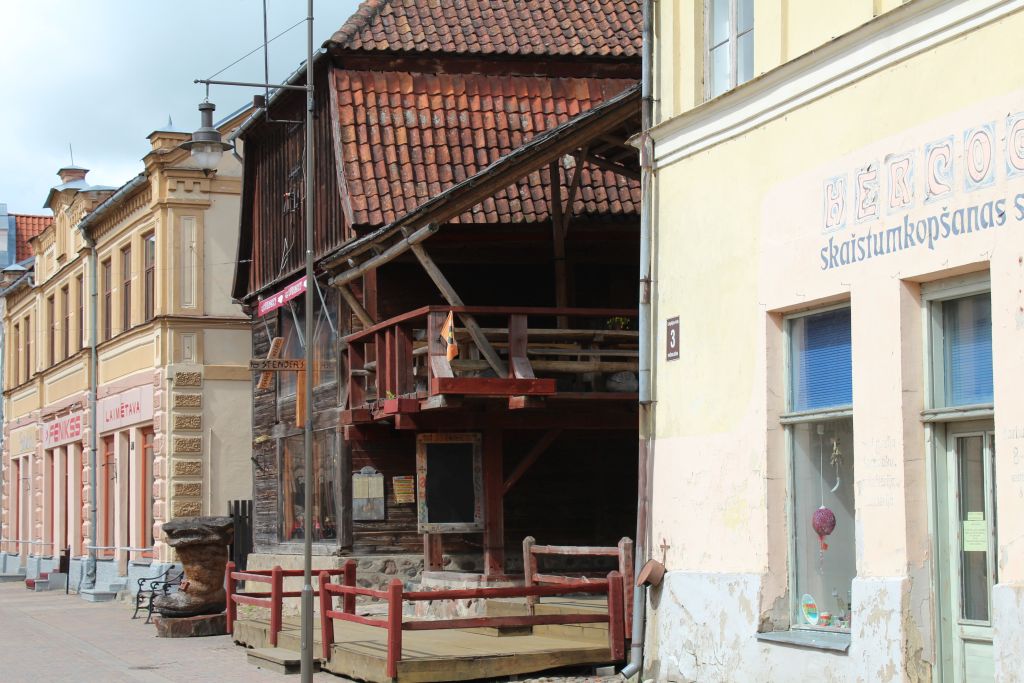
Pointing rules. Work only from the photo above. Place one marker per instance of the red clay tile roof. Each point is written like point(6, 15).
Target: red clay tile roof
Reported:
point(405, 137)
point(598, 28)
point(27, 227)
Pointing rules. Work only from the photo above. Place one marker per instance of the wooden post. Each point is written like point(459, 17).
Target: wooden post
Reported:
point(558, 241)
point(394, 627)
point(356, 385)
point(326, 621)
point(494, 509)
point(349, 600)
point(232, 608)
point(433, 552)
point(437, 365)
point(404, 381)
point(519, 364)
point(616, 623)
point(626, 569)
point(276, 603)
point(529, 570)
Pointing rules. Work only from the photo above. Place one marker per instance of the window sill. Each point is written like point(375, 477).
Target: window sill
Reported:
point(819, 640)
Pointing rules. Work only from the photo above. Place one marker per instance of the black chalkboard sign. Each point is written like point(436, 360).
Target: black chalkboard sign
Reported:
point(449, 483)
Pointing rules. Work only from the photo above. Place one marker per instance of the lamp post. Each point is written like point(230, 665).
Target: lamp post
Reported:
point(206, 148)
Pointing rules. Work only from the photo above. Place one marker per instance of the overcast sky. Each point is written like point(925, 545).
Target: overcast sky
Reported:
point(103, 74)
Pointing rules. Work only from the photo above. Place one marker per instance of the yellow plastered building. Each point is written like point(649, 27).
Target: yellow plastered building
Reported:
point(153, 261)
point(839, 230)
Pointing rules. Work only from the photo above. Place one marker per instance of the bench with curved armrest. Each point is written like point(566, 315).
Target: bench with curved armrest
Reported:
point(152, 586)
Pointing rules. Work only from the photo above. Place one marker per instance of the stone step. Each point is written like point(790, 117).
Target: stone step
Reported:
point(278, 659)
point(97, 595)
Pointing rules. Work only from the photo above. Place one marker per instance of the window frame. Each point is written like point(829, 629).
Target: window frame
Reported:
point(732, 41)
point(28, 347)
point(933, 296)
point(107, 270)
point(805, 634)
point(51, 328)
point(149, 276)
point(126, 287)
point(16, 356)
point(80, 285)
point(65, 334)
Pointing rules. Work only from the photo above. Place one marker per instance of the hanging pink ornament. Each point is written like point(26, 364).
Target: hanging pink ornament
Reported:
point(824, 523)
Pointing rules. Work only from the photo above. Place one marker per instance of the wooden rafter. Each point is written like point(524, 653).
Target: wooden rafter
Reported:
point(538, 450)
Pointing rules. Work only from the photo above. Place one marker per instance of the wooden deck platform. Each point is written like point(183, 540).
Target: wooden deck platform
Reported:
point(450, 655)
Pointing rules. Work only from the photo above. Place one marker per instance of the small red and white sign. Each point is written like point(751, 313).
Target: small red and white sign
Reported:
point(272, 303)
point(124, 409)
point(63, 430)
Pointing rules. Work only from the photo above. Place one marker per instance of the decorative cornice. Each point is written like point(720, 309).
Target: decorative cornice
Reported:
point(891, 38)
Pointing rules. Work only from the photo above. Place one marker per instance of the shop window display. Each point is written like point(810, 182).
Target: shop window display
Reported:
point(823, 562)
point(293, 487)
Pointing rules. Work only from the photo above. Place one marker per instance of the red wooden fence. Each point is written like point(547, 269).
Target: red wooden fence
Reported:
point(623, 552)
point(274, 600)
point(612, 586)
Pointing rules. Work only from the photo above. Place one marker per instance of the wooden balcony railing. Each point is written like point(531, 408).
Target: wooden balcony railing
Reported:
point(503, 352)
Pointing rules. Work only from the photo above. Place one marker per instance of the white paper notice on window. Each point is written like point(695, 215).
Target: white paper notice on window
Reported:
point(975, 535)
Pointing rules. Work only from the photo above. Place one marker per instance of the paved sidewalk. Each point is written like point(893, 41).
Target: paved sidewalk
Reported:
point(48, 636)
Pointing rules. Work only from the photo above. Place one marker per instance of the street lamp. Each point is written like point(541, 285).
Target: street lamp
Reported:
point(206, 146)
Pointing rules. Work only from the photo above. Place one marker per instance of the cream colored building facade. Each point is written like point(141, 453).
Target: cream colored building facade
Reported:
point(838, 482)
point(172, 405)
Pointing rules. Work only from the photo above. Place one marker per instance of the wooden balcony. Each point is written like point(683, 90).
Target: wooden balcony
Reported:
point(524, 356)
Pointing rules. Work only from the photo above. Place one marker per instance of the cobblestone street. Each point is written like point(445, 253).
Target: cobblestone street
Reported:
point(52, 637)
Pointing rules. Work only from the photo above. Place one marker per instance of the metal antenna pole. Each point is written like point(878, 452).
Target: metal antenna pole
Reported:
point(307, 532)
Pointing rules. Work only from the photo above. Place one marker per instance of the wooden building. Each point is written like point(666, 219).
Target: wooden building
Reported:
point(477, 216)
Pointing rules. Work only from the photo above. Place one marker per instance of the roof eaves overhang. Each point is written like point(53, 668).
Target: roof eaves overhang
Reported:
point(460, 197)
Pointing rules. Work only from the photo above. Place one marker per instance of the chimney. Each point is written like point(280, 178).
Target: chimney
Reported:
point(71, 173)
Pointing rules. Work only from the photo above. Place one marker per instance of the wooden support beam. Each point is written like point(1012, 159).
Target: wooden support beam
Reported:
point(613, 167)
point(492, 386)
point(538, 449)
point(494, 508)
point(391, 252)
point(558, 240)
point(453, 299)
point(357, 308)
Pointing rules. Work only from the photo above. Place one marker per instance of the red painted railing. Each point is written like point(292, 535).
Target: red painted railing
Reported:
point(274, 600)
point(612, 586)
point(623, 552)
point(396, 362)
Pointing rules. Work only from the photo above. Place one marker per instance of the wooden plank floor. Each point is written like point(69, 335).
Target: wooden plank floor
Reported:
point(450, 655)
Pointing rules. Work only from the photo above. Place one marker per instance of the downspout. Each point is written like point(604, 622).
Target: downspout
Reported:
point(646, 334)
point(90, 566)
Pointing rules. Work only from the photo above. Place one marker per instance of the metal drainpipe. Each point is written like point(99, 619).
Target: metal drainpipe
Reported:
point(646, 333)
point(90, 566)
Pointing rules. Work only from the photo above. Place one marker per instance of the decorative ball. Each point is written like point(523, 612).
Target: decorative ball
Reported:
point(824, 523)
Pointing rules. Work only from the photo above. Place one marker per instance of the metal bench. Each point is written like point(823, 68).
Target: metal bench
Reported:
point(151, 587)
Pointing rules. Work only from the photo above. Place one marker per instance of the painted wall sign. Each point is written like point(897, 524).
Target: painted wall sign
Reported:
point(124, 409)
point(23, 440)
point(920, 197)
point(672, 339)
point(276, 301)
point(405, 489)
point(63, 430)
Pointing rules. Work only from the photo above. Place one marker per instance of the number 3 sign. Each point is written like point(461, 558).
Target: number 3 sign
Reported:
point(672, 339)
